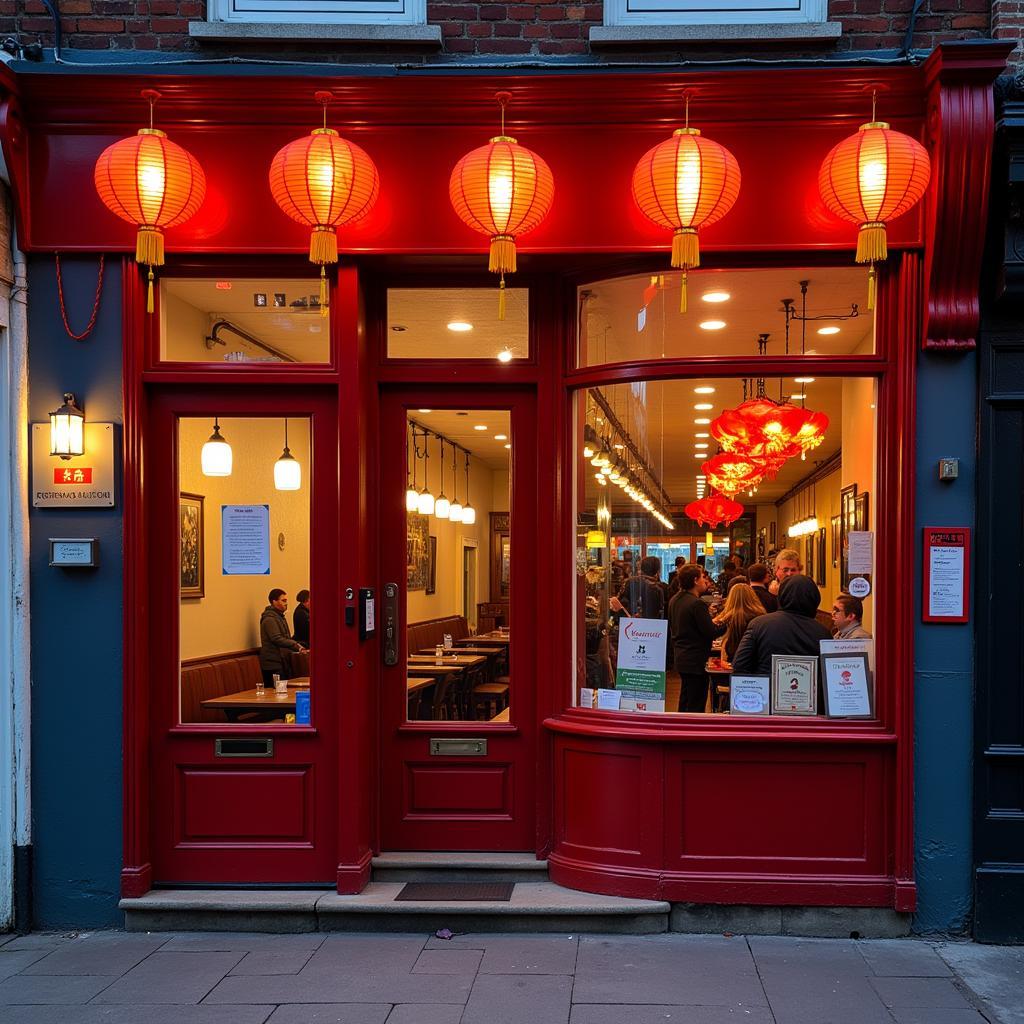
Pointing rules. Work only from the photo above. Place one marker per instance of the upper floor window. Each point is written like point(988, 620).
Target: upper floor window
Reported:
point(391, 12)
point(713, 12)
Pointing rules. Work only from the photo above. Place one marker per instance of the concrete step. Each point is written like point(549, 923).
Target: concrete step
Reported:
point(534, 907)
point(416, 866)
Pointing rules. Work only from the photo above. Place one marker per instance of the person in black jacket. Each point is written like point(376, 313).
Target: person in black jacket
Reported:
point(692, 631)
point(274, 638)
point(758, 575)
point(300, 618)
point(793, 629)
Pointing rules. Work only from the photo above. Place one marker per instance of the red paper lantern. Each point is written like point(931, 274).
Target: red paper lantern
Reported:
point(731, 473)
point(686, 183)
point(871, 178)
point(152, 183)
point(761, 428)
point(503, 190)
point(324, 182)
point(714, 510)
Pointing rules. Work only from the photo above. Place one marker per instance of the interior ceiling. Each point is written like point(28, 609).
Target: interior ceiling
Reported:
point(669, 437)
point(459, 425)
point(612, 310)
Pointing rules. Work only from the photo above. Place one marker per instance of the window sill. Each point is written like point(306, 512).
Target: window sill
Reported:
point(624, 35)
point(259, 31)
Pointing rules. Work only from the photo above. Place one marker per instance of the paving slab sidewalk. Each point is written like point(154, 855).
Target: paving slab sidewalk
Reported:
point(237, 978)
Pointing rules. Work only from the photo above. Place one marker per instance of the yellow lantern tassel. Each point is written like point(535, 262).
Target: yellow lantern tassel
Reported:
point(682, 292)
point(501, 298)
point(685, 248)
point(323, 291)
point(323, 245)
point(149, 246)
point(503, 255)
point(872, 285)
point(149, 292)
point(871, 245)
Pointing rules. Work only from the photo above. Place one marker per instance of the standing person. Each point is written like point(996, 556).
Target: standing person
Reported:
point(300, 618)
point(728, 571)
point(673, 585)
point(644, 596)
point(793, 629)
point(847, 611)
point(787, 563)
point(758, 575)
point(693, 631)
point(274, 636)
point(742, 606)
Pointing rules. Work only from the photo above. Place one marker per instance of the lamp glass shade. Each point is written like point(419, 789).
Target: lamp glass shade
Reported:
point(469, 515)
point(412, 499)
point(287, 472)
point(455, 512)
point(442, 507)
point(67, 429)
point(216, 455)
point(425, 503)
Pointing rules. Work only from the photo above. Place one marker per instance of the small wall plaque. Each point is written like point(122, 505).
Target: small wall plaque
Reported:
point(75, 552)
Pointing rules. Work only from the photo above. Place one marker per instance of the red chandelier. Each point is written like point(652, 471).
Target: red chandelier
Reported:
point(769, 430)
point(730, 473)
point(714, 510)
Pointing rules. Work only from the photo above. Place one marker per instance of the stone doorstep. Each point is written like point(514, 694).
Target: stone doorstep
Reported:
point(414, 866)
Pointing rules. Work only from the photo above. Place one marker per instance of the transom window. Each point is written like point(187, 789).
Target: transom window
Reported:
point(405, 12)
point(713, 12)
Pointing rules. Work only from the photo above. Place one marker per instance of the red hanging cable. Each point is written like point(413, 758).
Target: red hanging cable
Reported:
point(95, 305)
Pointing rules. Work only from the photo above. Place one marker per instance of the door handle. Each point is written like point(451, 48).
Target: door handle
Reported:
point(390, 645)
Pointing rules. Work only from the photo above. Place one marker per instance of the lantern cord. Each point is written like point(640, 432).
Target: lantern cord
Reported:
point(95, 303)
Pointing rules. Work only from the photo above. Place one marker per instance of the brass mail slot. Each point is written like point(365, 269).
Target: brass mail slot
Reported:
point(244, 746)
point(459, 748)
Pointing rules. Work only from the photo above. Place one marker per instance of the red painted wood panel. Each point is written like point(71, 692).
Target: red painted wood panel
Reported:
point(458, 790)
point(241, 805)
point(603, 801)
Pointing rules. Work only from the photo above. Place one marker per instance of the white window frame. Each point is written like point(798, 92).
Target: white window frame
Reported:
point(715, 12)
point(319, 12)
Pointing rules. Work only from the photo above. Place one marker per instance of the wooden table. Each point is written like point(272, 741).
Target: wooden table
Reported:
point(486, 638)
point(485, 651)
point(235, 704)
point(501, 716)
point(299, 683)
point(415, 687)
point(461, 660)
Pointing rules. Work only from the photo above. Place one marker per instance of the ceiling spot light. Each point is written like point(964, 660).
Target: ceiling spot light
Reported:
point(459, 326)
point(501, 437)
point(803, 380)
point(703, 406)
point(704, 390)
point(702, 433)
point(505, 355)
point(424, 410)
point(508, 446)
point(716, 297)
point(701, 444)
point(480, 426)
point(700, 455)
point(711, 325)
point(828, 330)
point(798, 396)
point(703, 421)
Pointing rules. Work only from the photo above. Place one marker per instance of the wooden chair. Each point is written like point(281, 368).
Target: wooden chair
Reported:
point(490, 696)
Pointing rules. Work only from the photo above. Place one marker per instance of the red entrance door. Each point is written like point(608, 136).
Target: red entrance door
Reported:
point(458, 746)
point(240, 792)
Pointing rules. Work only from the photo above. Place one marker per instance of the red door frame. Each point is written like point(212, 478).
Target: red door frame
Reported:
point(509, 768)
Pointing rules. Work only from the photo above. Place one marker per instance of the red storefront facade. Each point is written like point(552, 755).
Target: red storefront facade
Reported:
point(651, 806)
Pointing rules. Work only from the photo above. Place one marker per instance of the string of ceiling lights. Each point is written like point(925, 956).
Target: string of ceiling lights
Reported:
point(216, 459)
point(422, 500)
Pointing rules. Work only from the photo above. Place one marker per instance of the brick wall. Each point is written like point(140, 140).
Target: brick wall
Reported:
point(1008, 23)
point(515, 30)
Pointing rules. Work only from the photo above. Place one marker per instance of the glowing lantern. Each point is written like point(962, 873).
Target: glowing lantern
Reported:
point(324, 182)
point(730, 473)
point(871, 178)
point(152, 183)
point(502, 190)
point(714, 510)
point(685, 183)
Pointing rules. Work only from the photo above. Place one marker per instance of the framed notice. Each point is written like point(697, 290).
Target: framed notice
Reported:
point(847, 685)
point(750, 695)
point(946, 574)
point(794, 684)
point(640, 668)
point(245, 540)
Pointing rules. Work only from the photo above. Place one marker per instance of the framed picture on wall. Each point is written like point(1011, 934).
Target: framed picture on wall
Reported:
point(432, 566)
point(860, 514)
point(810, 542)
point(836, 530)
point(848, 523)
point(821, 538)
point(417, 551)
point(193, 554)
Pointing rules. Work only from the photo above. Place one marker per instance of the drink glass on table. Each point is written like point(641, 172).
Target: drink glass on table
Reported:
point(439, 654)
point(260, 687)
point(280, 686)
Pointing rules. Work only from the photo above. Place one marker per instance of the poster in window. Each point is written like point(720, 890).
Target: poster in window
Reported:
point(417, 551)
point(190, 519)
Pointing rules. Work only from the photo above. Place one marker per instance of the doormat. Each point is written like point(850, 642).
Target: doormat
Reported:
point(457, 892)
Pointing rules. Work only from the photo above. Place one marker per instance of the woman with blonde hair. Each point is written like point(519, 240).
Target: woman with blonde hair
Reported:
point(742, 606)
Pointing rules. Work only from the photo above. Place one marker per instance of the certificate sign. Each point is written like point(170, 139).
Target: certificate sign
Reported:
point(860, 558)
point(794, 685)
point(749, 695)
point(640, 669)
point(946, 574)
point(245, 540)
point(847, 685)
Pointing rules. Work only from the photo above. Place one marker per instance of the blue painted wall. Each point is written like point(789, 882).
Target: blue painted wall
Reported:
point(944, 654)
point(76, 621)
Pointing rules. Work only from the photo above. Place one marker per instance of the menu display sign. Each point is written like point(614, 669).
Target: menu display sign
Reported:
point(794, 685)
point(640, 668)
point(245, 540)
point(847, 685)
point(749, 695)
point(946, 575)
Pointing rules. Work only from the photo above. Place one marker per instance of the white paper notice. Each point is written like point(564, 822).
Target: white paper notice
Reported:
point(245, 540)
point(608, 700)
point(749, 695)
point(946, 581)
point(860, 557)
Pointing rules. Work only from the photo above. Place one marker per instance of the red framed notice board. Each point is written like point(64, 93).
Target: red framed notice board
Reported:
point(947, 574)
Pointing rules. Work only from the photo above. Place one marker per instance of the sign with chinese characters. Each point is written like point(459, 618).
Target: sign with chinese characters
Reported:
point(946, 575)
point(640, 669)
point(83, 481)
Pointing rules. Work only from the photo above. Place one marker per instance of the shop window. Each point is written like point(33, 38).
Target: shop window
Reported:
point(717, 12)
point(233, 321)
point(407, 12)
point(640, 456)
point(814, 311)
point(244, 535)
point(458, 323)
point(458, 585)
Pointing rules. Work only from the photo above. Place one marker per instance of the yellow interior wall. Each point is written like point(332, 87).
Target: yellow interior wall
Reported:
point(227, 617)
point(183, 330)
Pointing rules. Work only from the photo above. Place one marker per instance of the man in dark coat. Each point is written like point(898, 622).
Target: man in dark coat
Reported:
point(644, 596)
point(300, 618)
point(275, 638)
point(793, 629)
point(692, 630)
point(758, 574)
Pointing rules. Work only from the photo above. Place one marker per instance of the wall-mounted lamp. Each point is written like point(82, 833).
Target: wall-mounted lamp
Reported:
point(67, 434)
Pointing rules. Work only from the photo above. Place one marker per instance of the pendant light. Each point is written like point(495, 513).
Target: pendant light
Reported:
point(425, 502)
point(216, 455)
point(287, 469)
point(412, 496)
point(456, 511)
point(468, 512)
point(442, 507)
